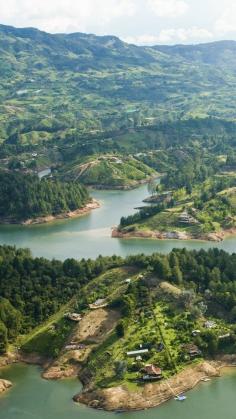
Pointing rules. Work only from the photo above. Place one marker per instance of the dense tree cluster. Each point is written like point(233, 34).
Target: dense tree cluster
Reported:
point(24, 196)
point(33, 289)
point(142, 214)
point(210, 273)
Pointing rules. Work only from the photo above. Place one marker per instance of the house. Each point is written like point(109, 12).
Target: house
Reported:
point(196, 332)
point(226, 336)
point(192, 350)
point(100, 303)
point(210, 324)
point(75, 317)
point(70, 347)
point(152, 372)
point(185, 218)
point(128, 281)
point(74, 347)
point(137, 353)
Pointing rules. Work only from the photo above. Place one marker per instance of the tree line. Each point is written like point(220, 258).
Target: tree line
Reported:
point(32, 289)
point(24, 196)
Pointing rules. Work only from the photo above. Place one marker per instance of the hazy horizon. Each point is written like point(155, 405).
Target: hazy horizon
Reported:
point(116, 36)
point(141, 22)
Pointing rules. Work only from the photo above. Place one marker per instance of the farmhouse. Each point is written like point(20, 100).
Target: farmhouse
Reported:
point(192, 350)
point(152, 372)
point(101, 302)
point(137, 353)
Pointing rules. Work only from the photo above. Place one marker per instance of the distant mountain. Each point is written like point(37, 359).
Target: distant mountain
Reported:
point(221, 53)
point(50, 84)
point(75, 51)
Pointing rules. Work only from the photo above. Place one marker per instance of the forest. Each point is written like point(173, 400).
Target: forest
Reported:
point(33, 289)
point(25, 196)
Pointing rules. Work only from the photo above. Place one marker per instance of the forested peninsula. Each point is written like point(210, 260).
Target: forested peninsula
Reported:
point(130, 329)
point(24, 198)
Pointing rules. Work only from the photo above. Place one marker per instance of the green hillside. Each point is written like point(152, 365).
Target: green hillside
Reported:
point(162, 304)
point(109, 171)
point(53, 83)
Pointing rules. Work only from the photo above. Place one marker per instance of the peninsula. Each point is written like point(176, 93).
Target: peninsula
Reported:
point(135, 331)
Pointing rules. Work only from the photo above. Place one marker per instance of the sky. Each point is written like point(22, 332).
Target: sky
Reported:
point(142, 22)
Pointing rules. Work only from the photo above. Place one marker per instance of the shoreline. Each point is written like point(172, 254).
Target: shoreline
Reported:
point(172, 235)
point(120, 399)
point(92, 205)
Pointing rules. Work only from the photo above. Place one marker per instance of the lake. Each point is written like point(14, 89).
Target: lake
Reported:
point(89, 236)
point(35, 398)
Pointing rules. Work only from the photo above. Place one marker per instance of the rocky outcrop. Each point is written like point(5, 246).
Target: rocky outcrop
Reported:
point(171, 235)
point(150, 395)
point(5, 385)
point(58, 372)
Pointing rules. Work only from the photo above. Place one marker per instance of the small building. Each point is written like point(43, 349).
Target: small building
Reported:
point(210, 324)
point(101, 302)
point(226, 336)
point(75, 317)
point(196, 332)
point(185, 218)
point(75, 346)
point(152, 372)
point(128, 281)
point(192, 350)
point(137, 353)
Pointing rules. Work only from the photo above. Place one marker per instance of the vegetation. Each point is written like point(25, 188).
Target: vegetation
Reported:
point(175, 295)
point(164, 300)
point(196, 196)
point(109, 171)
point(107, 84)
point(32, 290)
point(24, 196)
point(68, 98)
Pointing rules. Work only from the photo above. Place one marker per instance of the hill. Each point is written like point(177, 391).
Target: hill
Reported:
point(109, 172)
point(51, 84)
point(123, 325)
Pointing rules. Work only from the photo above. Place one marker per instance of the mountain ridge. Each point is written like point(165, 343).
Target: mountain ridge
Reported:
point(54, 83)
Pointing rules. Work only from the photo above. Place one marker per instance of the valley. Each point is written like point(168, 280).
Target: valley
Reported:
point(102, 141)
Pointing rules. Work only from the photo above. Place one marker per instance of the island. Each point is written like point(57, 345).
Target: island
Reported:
point(136, 331)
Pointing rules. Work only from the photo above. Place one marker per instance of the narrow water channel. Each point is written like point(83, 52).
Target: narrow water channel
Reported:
point(90, 235)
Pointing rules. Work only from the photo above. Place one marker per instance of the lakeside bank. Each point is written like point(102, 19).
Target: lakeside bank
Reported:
point(90, 206)
point(172, 235)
